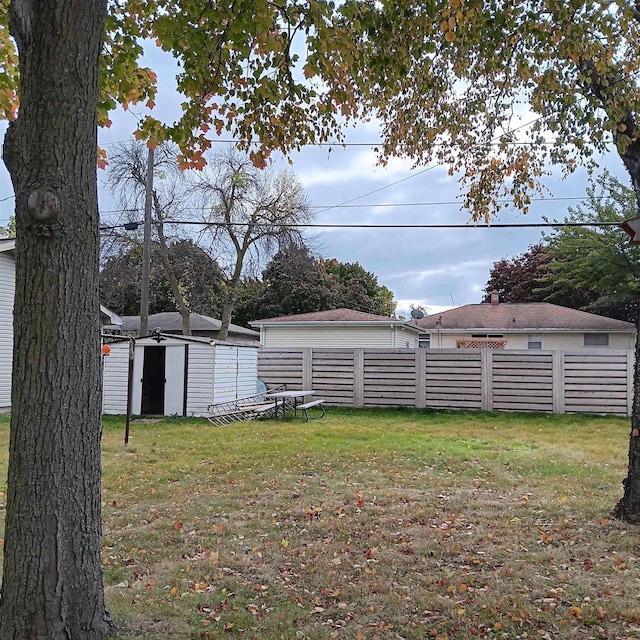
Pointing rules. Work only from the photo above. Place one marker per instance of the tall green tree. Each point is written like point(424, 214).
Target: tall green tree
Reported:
point(596, 260)
point(587, 267)
point(296, 281)
point(361, 290)
point(200, 278)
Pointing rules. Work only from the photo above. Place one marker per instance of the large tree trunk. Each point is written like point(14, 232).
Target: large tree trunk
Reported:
point(628, 508)
point(52, 585)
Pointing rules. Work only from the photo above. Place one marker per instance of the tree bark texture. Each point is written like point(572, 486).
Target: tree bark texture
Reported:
point(52, 585)
point(628, 508)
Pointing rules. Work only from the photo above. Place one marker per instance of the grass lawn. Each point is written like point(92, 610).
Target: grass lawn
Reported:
point(369, 524)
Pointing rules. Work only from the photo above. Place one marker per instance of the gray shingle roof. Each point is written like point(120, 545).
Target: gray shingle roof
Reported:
point(332, 315)
point(172, 321)
point(524, 315)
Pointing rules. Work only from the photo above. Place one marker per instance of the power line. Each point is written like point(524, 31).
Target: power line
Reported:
point(301, 225)
point(390, 204)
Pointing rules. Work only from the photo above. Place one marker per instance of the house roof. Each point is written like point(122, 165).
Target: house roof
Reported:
point(114, 318)
point(172, 321)
point(521, 316)
point(7, 244)
point(333, 316)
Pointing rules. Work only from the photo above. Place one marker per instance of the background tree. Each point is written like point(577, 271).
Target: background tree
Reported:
point(597, 260)
point(296, 281)
point(586, 267)
point(361, 289)
point(127, 178)
point(517, 279)
point(200, 278)
point(10, 230)
point(251, 214)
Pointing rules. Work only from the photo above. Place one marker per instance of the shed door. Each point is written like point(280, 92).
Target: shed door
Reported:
point(153, 381)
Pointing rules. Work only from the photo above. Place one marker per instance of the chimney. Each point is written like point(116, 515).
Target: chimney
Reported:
point(495, 298)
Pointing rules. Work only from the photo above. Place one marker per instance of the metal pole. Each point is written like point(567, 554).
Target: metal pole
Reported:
point(146, 250)
point(132, 351)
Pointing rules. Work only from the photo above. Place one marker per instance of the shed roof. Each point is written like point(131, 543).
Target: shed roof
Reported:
point(521, 316)
point(172, 321)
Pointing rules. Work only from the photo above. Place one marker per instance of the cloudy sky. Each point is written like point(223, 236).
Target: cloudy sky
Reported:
point(436, 268)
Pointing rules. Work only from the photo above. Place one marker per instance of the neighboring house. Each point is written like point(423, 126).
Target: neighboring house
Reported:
point(345, 328)
point(7, 294)
point(525, 325)
point(171, 322)
point(177, 375)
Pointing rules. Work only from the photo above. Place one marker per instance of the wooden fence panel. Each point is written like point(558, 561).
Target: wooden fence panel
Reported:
point(522, 381)
point(389, 377)
point(454, 379)
point(597, 382)
point(586, 381)
point(332, 375)
point(282, 366)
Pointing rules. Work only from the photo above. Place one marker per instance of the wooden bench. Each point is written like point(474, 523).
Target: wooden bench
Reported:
point(314, 403)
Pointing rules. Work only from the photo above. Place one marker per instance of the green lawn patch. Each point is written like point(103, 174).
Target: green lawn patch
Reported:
point(369, 524)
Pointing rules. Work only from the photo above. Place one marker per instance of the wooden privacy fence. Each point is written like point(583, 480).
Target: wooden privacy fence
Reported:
point(584, 381)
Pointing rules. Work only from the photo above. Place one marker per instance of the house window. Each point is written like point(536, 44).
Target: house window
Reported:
point(487, 335)
point(596, 339)
point(424, 341)
point(534, 341)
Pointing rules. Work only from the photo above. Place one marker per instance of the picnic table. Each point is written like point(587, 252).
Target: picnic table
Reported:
point(293, 396)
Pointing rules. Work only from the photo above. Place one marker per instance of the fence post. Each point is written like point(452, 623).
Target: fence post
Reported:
point(486, 359)
point(558, 382)
point(307, 368)
point(358, 377)
point(421, 378)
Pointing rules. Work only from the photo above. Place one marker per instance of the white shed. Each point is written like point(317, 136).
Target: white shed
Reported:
point(177, 375)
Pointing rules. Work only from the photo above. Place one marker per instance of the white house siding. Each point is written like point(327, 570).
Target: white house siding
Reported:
point(115, 373)
point(405, 338)
point(7, 292)
point(558, 341)
point(319, 336)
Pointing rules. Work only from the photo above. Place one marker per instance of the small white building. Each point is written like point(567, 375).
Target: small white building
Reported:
point(7, 292)
point(343, 328)
point(177, 375)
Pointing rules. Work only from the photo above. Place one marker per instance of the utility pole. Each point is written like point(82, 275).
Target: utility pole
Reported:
point(146, 250)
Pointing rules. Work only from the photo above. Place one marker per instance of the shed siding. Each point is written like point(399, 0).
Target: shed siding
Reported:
point(7, 292)
point(344, 337)
point(200, 378)
point(115, 371)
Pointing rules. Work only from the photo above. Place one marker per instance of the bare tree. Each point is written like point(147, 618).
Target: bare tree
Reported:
point(251, 214)
point(127, 180)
